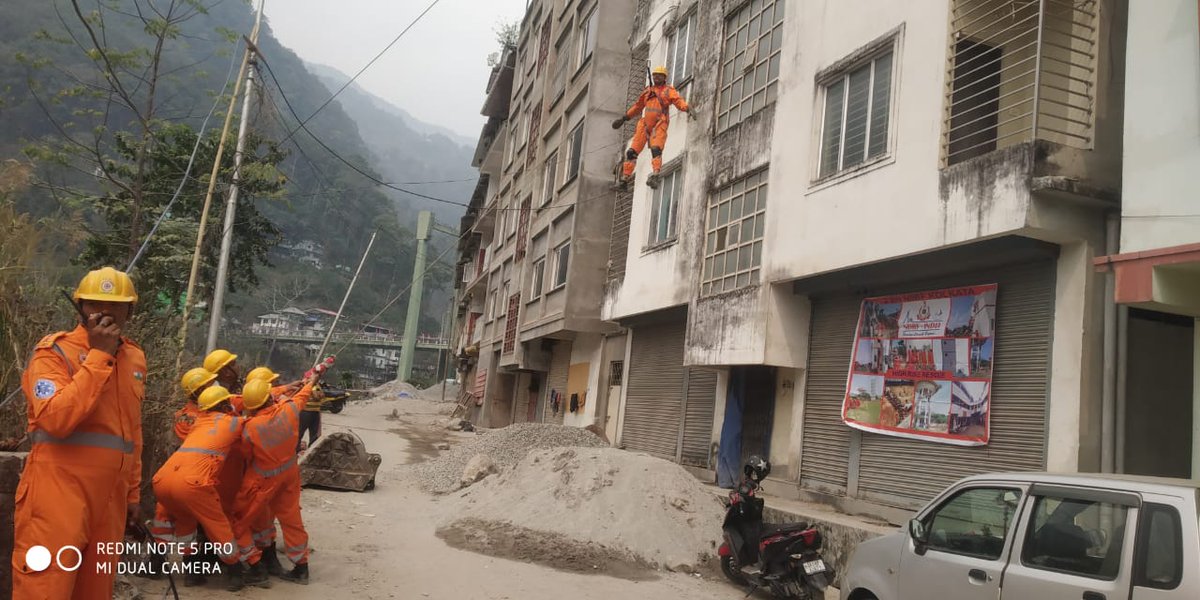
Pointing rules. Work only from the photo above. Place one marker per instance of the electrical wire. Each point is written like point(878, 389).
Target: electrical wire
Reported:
point(187, 171)
point(360, 71)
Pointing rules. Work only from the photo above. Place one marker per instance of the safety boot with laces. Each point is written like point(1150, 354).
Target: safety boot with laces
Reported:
point(257, 576)
point(298, 574)
point(272, 561)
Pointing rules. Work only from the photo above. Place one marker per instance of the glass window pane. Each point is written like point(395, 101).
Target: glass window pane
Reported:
point(721, 239)
point(831, 131)
point(880, 104)
point(757, 260)
point(772, 91)
point(754, 277)
point(762, 197)
point(759, 223)
point(712, 218)
point(777, 39)
point(743, 279)
point(723, 215)
point(734, 236)
point(773, 67)
point(974, 522)
point(743, 258)
point(718, 265)
point(754, 24)
point(723, 121)
point(1082, 537)
point(747, 229)
point(708, 267)
point(856, 118)
point(1162, 566)
point(735, 209)
point(779, 11)
point(710, 244)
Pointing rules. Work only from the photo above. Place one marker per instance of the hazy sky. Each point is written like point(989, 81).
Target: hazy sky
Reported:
point(437, 71)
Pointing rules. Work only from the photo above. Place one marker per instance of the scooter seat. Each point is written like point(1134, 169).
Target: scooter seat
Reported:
point(769, 529)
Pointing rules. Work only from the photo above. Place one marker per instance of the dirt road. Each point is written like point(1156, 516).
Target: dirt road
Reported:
point(382, 544)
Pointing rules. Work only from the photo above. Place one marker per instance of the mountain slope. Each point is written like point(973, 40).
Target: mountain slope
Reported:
point(408, 150)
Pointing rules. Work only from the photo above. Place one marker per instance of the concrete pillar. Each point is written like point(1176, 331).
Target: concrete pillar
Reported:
point(409, 343)
point(1074, 382)
point(1196, 400)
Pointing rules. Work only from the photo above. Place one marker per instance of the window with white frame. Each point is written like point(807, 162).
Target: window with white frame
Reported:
point(587, 37)
point(574, 152)
point(679, 50)
point(750, 61)
point(510, 224)
point(492, 304)
point(734, 235)
point(539, 279)
point(562, 259)
point(663, 207)
point(854, 122)
point(510, 143)
point(522, 132)
point(550, 179)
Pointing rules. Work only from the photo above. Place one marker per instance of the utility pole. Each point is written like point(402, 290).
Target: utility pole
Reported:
point(218, 304)
point(408, 344)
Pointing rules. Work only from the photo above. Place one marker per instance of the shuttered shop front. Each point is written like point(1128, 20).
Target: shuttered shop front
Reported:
point(698, 417)
point(556, 382)
point(905, 472)
point(654, 398)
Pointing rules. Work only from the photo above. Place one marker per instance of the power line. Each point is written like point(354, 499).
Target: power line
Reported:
point(360, 71)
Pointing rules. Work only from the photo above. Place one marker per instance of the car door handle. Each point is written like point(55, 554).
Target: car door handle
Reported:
point(1093, 596)
point(979, 576)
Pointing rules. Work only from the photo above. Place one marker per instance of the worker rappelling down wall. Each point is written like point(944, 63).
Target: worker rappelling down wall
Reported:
point(652, 110)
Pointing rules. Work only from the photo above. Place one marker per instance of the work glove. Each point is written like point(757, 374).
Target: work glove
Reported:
point(617, 124)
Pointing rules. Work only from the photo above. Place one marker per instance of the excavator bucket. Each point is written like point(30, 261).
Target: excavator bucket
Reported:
point(339, 461)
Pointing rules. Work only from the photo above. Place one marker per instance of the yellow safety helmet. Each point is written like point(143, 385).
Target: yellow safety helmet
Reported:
point(255, 393)
point(212, 396)
point(659, 70)
point(263, 373)
point(106, 285)
point(196, 378)
point(218, 359)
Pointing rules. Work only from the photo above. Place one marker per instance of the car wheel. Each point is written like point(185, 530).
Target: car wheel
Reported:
point(336, 407)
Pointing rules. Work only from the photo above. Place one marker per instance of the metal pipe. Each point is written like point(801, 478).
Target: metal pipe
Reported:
point(333, 326)
point(1109, 386)
point(1037, 68)
point(1122, 377)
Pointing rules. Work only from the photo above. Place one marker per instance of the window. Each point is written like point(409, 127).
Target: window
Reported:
point(1077, 537)
point(734, 232)
point(550, 179)
point(539, 279)
point(587, 38)
point(975, 522)
point(522, 132)
point(562, 257)
point(750, 61)
point(510, 220)
point(855, 123)
point(561, 59)
point(664, 206)
point(510, 144)
point(679, 51)
point(492, 305)
point(974, 100)
point(616, 372)
point(574, 152)
point(1160, 548)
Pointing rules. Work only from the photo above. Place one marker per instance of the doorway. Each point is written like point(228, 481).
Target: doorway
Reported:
point(1158, 394)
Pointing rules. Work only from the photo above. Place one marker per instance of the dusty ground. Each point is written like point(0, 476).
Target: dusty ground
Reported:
point(385, 544)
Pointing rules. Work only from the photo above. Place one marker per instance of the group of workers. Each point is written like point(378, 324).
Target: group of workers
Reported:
point(234, 474)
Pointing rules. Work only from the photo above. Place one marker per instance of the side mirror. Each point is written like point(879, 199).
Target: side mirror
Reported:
point(919, 534)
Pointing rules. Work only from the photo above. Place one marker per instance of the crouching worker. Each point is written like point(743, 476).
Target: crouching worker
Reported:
point(272, 483)
point(186, 486)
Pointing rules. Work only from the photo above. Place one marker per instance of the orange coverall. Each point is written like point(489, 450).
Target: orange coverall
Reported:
point(653, 106)
point(186, 485)
point(272, 486)
point(85, 467)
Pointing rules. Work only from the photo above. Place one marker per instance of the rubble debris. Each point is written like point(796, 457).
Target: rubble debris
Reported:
point(645, 507)
point(479, 467)
point(506, 447)
point(340, 461)
point(442, 446)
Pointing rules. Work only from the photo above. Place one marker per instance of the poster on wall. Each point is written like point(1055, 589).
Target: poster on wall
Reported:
point(922, 366)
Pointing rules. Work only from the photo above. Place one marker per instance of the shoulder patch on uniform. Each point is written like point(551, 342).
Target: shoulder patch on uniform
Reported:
point(50, 339)
point(44, 388)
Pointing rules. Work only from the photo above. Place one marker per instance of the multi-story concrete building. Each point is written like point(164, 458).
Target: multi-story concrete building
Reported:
point(1155, 411)
point(915, 153)
point(536, 265)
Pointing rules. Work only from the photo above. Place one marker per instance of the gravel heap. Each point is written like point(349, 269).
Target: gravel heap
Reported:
point(398, 389)
point(506, 447)
point(643, 507)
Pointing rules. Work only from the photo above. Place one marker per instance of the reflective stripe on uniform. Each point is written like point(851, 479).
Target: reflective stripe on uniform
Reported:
point(202, 451)
point(291, 462)
point(264, 535)
point(219, 550)
point(90, 439)
point(295, 553)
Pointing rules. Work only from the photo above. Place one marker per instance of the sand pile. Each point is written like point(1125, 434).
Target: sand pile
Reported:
point(399, 389)
point(505, 447)
point(646, 508)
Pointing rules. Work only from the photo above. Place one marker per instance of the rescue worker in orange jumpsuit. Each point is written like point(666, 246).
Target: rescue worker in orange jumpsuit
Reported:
point(272, 485)
point(82, 478)
point(652, 105)
point(263, 529)
point(187, 486)
point(224, 364)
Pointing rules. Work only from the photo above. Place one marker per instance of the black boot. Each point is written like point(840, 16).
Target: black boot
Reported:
point(256, 575)
point(193, 574)
point(235, 577)
point(299, 574)
point(272, 561)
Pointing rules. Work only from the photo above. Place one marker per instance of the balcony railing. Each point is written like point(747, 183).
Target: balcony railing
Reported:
point(1019, 70)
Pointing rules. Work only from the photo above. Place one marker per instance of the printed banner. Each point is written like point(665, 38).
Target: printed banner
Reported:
point(922, 366)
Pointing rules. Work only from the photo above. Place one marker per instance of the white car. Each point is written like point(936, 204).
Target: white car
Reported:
point(1037, 536)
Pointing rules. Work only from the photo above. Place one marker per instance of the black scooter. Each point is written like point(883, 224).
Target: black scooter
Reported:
point(783, 558)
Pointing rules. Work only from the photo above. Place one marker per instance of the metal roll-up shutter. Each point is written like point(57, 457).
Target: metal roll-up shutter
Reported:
point(908, 473)
point(556, 381)
point(654, 398)
point(826, 439)
point(698, 417)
